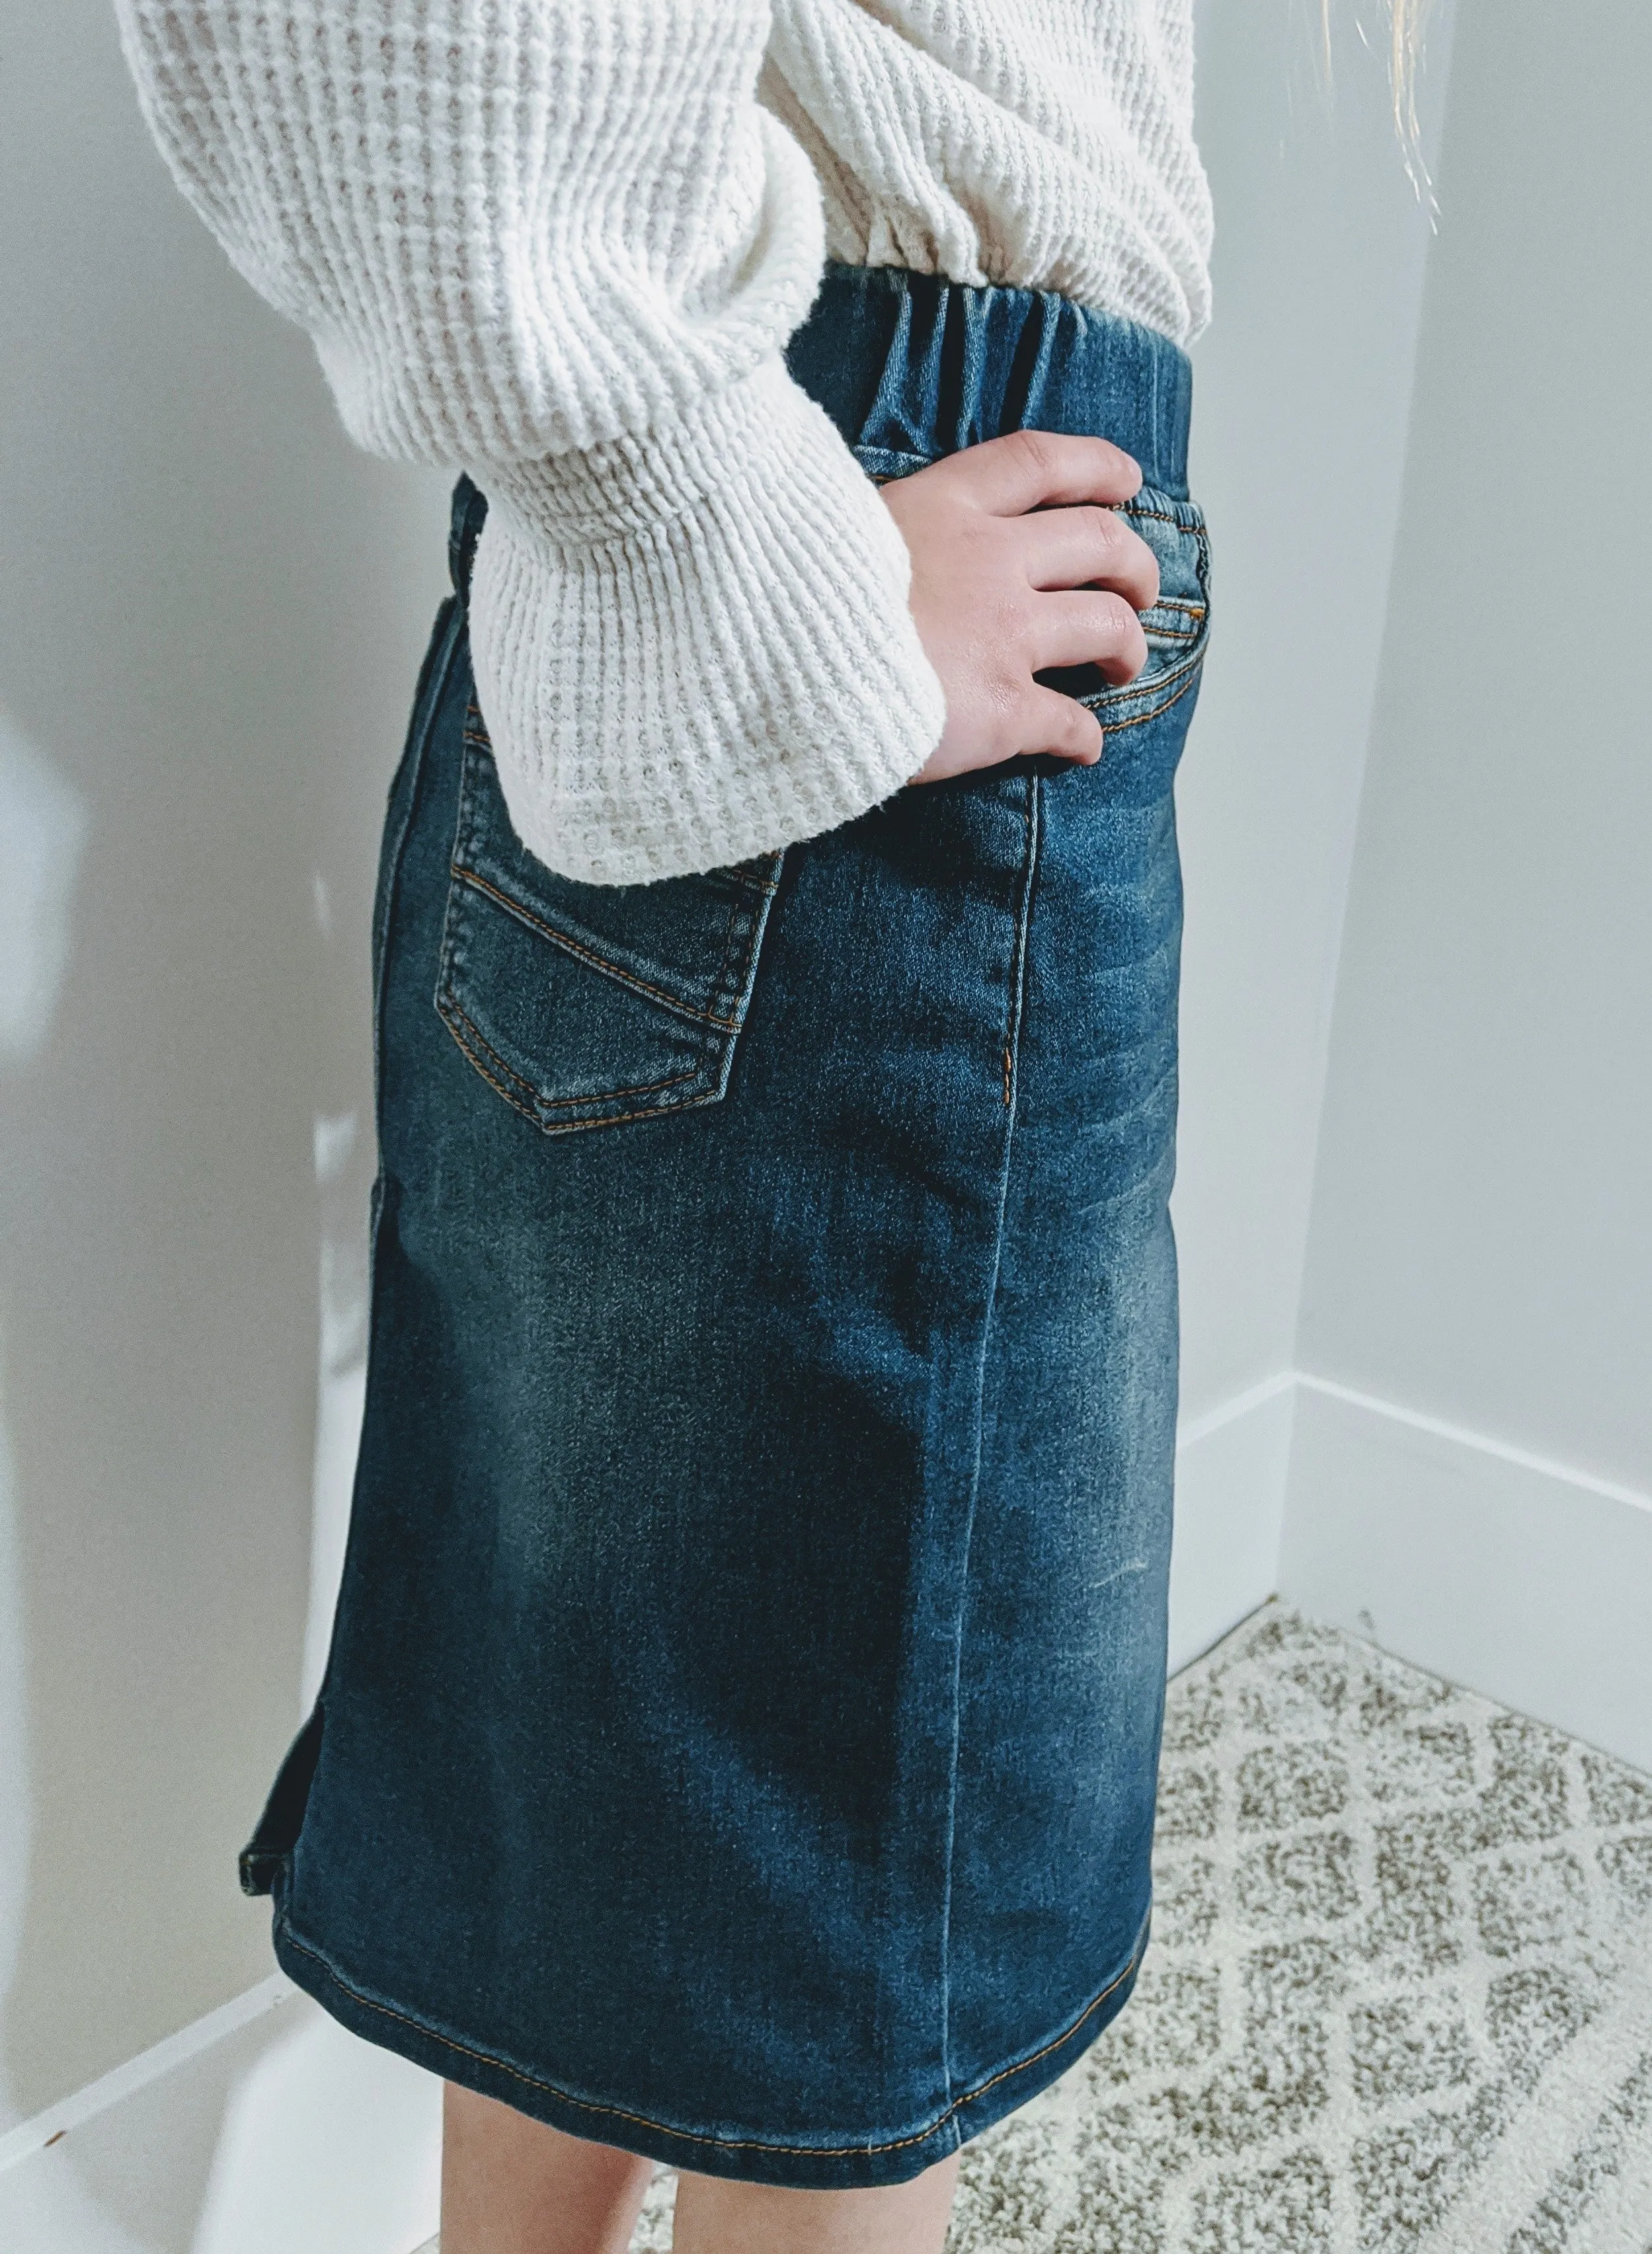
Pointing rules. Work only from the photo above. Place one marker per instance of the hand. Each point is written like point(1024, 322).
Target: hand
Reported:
point(1017, 563)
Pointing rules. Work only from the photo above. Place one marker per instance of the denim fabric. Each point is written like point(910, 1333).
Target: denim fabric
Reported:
point(740, 1737)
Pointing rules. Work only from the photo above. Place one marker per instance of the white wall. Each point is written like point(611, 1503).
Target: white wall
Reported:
point(1483, 1226)
point(1481, 1248)
point(211, 609)
point(1300, 395)
point(1302, 388)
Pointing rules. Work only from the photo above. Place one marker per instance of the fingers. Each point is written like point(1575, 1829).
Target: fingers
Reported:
point(1022, 567)
point(1034, 469)
point(1056, 723)
point(1086, 547)
point(1086, 628)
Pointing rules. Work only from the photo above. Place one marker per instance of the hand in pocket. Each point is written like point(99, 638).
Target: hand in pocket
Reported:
point(1020, 563)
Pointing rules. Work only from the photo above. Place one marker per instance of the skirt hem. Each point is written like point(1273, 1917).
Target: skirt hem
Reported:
point(827, 2165)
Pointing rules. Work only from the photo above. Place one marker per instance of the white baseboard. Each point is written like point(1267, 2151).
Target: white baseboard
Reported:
point(1231, 1467)
point(262, 2129)
point(1525, 1579)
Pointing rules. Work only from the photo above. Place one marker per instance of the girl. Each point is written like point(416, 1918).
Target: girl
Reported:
point(738, 1742)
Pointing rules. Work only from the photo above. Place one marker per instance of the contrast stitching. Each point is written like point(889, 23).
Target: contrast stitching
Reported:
point(746, 872)
point(1056, 2041)
point(1018, 966)
point(543, 1101)
point(448, 999)
point(1022, 906)
point(560, 1126)
point(459, 867)
point(1184, 677)
point(1172, 675)
point(413, 770)
point(499, 1086)
point(1195, 614)
point(468, 876)
point(693, 2136)
point(725, 992)
point(525, 1097)
point(448, 1004)
point(1156, 516)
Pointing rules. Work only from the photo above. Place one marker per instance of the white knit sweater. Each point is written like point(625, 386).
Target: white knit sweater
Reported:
point(561, 243)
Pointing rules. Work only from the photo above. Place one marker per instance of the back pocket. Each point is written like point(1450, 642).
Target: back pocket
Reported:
point(583, 1004)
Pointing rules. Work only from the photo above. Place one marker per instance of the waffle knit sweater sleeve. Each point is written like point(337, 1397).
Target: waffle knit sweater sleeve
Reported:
point(560, 244)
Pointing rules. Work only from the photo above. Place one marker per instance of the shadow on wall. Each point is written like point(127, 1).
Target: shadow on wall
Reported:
point(211, 615)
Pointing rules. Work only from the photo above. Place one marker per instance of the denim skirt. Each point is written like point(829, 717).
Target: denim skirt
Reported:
point(739, 1736)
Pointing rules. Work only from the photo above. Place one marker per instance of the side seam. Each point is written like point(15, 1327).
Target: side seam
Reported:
point(1015, 1005)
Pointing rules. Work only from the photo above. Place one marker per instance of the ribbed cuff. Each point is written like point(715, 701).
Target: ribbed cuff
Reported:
point(696, 646)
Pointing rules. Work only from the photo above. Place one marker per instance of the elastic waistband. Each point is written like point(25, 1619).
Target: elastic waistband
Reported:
point(911, 367)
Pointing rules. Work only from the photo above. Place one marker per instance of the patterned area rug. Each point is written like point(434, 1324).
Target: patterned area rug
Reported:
point(1399, 1996)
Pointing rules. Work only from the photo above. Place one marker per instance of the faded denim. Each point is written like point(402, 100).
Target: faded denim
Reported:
point(740, 1737)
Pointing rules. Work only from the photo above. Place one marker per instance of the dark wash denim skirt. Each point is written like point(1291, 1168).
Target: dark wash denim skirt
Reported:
point(740, 1737)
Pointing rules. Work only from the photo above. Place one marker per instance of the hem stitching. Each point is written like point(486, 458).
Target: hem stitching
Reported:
point(695, 2137)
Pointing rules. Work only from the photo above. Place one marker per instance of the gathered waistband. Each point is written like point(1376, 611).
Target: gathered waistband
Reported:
point(911, 367)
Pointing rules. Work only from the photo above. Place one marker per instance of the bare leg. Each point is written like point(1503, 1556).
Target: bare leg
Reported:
point(513, 2186)
point(715, 2216)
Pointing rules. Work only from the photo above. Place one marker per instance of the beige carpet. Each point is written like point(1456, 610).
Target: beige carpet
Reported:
point(1399, 1998)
